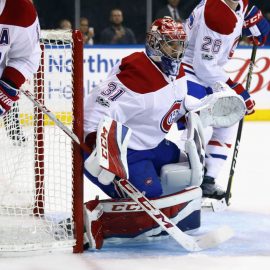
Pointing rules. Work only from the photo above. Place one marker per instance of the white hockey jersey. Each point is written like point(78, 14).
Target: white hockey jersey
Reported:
point(141, 97)
point(19, 40)
point(213, 31)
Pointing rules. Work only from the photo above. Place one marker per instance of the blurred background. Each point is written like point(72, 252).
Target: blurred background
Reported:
point(94, 16)
point(113, 29)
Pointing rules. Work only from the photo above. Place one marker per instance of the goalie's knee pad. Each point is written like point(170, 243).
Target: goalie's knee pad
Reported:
point(176, 176)
point(190, 172)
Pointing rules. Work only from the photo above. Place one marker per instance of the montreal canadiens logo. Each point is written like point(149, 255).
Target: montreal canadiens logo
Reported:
point(170, 117)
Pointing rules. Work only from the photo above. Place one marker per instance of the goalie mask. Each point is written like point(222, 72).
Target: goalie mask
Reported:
point(165, 44)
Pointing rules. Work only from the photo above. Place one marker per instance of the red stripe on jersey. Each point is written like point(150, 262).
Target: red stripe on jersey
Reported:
point(19, 13)
point(187, 65)
point(181, 72)
point(219, 17)
point(245, 4)
point(140, 75)
point(13, 76)
point(216, 143)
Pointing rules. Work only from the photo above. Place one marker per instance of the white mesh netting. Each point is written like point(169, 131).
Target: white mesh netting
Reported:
point(36, 158)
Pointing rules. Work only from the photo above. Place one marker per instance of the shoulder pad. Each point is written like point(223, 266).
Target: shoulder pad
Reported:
point(139, 74)
point(19, 13)
point(219, 17)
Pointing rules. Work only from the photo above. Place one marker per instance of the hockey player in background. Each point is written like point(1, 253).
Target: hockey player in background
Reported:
point(19, 58)
point(145, 93)
point(214, 29)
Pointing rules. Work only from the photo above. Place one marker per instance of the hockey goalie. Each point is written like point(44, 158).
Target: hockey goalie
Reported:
point(126, 120)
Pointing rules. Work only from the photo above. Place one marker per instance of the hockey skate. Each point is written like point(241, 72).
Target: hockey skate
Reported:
point(211, 190)
point(213, 195)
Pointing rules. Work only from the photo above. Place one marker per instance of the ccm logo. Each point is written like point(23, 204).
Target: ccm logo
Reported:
point(8, 101)
point(252, 21)
point(126, 207)
point(104, 143)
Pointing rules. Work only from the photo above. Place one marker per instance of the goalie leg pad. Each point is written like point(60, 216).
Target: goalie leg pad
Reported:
point(109, 158)
point(195, 147)
point(111, 145)
point(93, 212)
point(123, 220)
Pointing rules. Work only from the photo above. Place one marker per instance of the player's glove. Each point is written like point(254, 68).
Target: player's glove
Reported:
point(256, 27)
point(240, 90)
point(8, 95)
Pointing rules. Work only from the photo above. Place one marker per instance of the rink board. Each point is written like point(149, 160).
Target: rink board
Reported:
point(99, 60)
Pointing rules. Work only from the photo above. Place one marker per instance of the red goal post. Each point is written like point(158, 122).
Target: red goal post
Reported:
point(41, 168)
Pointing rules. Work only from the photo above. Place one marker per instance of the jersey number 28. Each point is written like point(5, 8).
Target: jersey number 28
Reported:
point(210, 44)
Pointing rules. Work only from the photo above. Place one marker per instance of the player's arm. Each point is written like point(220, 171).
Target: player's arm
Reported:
point(8, 95)
point(256, 27)
point(24, 53)
point(22, 59)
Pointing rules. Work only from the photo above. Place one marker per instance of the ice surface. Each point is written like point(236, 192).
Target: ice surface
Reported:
point(248, 215)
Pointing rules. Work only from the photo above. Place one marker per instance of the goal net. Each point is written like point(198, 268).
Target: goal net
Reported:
point(40, 167)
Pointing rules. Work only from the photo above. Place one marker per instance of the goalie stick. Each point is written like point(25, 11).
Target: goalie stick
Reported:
point(239, 130)
point(64, 128)
point(190, 243)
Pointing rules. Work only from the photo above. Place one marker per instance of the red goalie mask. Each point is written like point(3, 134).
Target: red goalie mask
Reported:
point(167, 37)
point(165, 44)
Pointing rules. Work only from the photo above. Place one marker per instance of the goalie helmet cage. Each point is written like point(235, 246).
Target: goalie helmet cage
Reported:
point(41, 168)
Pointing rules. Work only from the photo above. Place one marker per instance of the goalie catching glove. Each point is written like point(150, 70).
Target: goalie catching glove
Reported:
point(221, 109)
point(8, 95)
point(110, 155)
